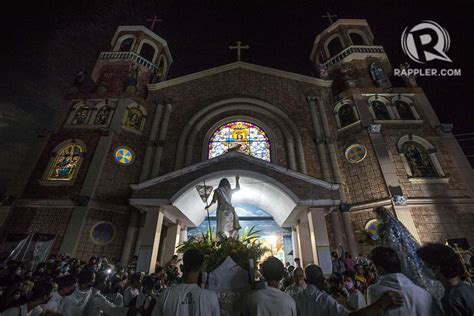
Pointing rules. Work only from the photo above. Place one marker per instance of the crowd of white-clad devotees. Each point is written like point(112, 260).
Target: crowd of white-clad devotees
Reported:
point(372, 285)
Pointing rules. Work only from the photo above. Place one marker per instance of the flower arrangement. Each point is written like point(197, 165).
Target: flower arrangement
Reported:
point(216, 247)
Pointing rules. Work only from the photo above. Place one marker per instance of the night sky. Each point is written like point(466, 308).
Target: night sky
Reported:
point(47, 42)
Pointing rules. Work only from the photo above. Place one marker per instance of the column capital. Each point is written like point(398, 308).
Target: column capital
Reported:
point(345, 207)
point(312, 99)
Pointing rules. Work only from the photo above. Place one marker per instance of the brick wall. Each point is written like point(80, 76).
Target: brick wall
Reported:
point(86, 247)
point(436, 223)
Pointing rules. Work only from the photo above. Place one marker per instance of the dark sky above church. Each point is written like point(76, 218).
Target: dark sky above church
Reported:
point(45, 43)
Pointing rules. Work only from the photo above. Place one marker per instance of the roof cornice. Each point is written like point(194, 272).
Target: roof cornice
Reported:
point(240, 65)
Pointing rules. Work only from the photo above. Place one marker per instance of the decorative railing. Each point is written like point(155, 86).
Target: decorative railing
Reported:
point(128, 55)
point(353, 49)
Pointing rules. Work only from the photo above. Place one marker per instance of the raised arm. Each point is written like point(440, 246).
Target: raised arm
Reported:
point(237, 184)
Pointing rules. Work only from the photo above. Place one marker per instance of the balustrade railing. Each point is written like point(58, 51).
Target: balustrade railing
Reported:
point(353, 49)
point(128, 55)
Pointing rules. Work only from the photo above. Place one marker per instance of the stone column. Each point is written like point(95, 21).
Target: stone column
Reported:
point(330, 140)
point(319, 138)
point(141, 227)
point(336, 227)
point(298, 241)
point(146, 167)
point(130, 237)
point(172, 241)
point(319, 239)
point(148, 252)
point(161, 140)
point(294, 242)
point(351, 240)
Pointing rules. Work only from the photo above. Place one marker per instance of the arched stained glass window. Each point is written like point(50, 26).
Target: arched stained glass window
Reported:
point(419, 160)
point(240, 136)
point(66, 163)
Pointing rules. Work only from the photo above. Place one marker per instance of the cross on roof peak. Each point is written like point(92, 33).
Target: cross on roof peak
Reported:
point(329, 16)
point(239, 47)
point(153, 22)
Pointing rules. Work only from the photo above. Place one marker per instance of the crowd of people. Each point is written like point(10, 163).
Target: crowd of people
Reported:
point(368, 285)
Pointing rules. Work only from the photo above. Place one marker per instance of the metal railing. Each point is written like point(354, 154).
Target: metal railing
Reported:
point(353, 49)
point(128, 55)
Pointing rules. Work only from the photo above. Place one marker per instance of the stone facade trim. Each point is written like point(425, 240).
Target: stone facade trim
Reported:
point(241, 65)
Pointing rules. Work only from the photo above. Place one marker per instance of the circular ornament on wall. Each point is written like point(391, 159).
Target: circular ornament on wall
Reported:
point(355, 153)
point(102, 233)
point(124, 155)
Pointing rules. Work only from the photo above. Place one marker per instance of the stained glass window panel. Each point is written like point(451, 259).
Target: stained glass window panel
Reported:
point(66, 163)
point(419, 160)
point(241, 136)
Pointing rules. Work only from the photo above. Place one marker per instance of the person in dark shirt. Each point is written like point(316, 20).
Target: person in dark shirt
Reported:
point(458, 297)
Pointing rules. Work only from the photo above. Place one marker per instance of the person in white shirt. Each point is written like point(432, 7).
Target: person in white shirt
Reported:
point(40, 294)
point(114, 294)
point(66, 286)
point(271, 301)
point(299, 284)
point(388, 266)
point(99, 304)
point(75, 304)
point(133, 289)
point(355, 299)
point(187, 298)
point(314, 301)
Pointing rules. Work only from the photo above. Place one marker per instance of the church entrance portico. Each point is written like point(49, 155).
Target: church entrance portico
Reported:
point(293, 200)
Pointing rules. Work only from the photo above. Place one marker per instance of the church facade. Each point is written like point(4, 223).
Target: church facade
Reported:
point(118, 177)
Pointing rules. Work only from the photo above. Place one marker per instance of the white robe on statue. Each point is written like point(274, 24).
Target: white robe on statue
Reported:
point(314, 302)
point(269, 302)
point(187, 300)
point(417, 301)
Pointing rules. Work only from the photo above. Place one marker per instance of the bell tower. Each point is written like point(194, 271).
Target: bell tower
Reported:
point(137, 57)
point(345, 53)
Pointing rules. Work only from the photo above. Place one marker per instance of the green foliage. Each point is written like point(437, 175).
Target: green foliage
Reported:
point(217, 248)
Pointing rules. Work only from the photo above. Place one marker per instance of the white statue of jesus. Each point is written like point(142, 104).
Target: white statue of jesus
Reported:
point(227, 219)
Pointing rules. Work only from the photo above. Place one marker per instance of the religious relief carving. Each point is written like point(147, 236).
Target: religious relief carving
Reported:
point(66, 163)
point(375, 128)
point(157, 75)
point(346, 72)
point(132, 78)
point(418, 160)
point(400, 199)
point(410, 80)
point(80, 116)
point(134, 118)
point(378, 76)
point(323, 72)
point(102, 117)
